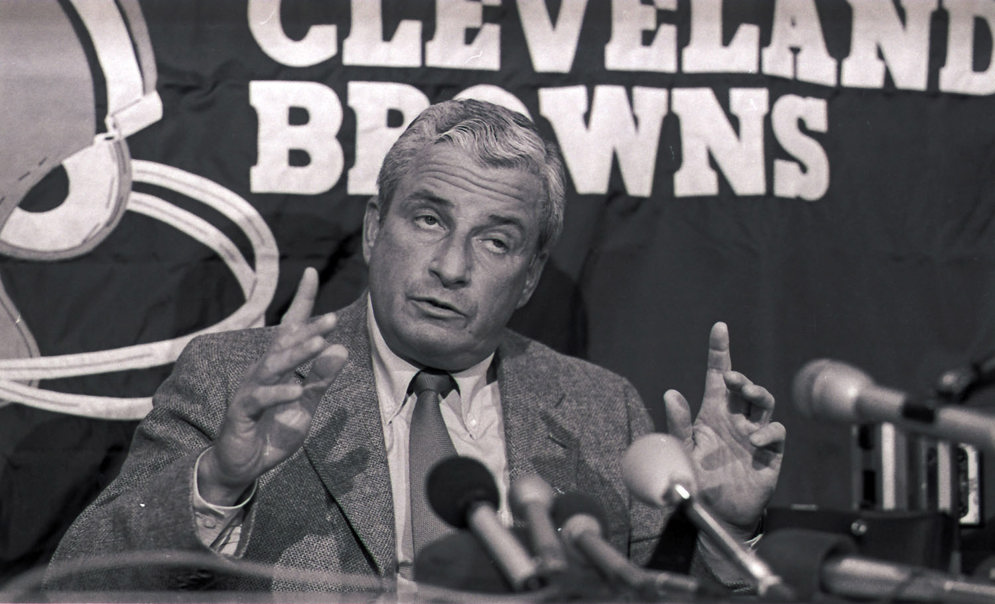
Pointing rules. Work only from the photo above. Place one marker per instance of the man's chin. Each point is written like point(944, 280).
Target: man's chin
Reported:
point(444, 349)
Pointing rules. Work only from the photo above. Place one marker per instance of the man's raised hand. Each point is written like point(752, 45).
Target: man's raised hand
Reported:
point(735, 447)
point(270, 414)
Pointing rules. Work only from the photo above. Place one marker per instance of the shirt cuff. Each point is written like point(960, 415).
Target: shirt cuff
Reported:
point(219, 527)
point(720, 567)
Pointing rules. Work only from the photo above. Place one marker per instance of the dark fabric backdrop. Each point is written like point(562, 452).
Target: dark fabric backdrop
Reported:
point(891, 268)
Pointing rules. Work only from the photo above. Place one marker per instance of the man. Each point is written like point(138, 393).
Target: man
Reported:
point(289, 445)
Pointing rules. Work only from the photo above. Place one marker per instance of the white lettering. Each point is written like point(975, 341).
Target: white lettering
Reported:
point(277, 137)
point(448, 48)
point(808, 179)
point(705, 130)
point(705, 52)
point(876, 25)
point(320, 43)
point(796, 26)
point(958, 74)
point(626, 52)
point(372, 103)
point(612, 131)
point(551, 47)
point(365, 44)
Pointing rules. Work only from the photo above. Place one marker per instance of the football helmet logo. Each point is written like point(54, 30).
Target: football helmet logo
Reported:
point(78, 78)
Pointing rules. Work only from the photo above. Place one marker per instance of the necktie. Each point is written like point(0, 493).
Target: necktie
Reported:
point(429, 443)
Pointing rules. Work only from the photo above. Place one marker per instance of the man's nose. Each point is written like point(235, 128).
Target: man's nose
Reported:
point(452, 262)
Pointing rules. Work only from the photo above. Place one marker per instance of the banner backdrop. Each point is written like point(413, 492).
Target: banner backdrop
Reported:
point(816, 174)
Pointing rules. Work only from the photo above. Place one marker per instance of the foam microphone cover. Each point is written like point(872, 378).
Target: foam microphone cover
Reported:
point(457, 483)
point(797, 555)
point(653, 464)
point(830, 389)
point(528, 490)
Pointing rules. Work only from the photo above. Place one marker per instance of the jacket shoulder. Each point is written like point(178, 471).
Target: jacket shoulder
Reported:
point(574, 375)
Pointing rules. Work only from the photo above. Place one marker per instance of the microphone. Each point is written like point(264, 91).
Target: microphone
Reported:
point(658, 472)
point(835, 390)
point(959, 383)
point(817, 562)
point(462, 492)
point(531, 498)
point(579, 519)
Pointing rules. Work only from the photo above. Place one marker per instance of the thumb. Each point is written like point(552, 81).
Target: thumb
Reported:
point(678, 414)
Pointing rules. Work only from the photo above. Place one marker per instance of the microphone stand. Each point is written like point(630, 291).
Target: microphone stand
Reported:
point(767, 583)
point(938, 471)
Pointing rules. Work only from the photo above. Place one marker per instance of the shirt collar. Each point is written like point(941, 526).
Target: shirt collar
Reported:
point(397, 373)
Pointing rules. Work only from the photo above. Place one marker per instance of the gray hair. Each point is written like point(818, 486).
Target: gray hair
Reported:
point(491, 135)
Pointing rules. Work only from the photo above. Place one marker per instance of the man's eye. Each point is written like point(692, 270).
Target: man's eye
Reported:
point(499, 246)
point(427, 220)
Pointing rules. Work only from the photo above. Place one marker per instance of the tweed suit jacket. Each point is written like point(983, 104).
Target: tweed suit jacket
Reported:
point(329, 506)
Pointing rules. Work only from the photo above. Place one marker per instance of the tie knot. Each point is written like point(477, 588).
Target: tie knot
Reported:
point(432, 380)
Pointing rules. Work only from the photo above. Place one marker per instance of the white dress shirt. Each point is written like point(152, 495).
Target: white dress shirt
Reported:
point(472, 414)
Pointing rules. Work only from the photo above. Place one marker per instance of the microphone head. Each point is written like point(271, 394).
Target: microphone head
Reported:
point(531, 489)
point(653, 464)
point(576, 513)
point(455, 484)
point(829, 389)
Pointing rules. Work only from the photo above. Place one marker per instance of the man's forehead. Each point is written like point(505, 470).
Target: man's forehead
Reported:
point(447, 174)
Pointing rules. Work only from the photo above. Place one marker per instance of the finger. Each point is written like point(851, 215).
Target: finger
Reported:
point(322, 324)
point(259, 398)
point(284, 355)
point(331, 361)
point(325, 369)
point(678, 414)
point(303, 302)
point(770, 437)
point(732, 384)
point(294, 335)
point(718, 363)
point(719, 358)
point(758, 402)
point(294, 419)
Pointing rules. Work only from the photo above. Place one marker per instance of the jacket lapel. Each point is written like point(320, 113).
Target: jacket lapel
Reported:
point(539, 437)
point(346, 443)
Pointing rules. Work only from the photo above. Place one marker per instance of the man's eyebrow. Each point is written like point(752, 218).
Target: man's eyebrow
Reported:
point(423, 195)
point(505, 220)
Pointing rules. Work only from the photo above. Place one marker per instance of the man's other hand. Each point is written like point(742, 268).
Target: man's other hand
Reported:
point(735, 447)
point(270, 414)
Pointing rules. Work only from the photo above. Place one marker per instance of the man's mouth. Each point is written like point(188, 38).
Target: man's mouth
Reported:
point(437, 307)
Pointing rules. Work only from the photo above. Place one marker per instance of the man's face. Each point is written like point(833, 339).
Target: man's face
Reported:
point(453, 257)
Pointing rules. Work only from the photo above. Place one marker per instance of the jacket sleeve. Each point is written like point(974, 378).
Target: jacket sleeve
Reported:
point(647, 523)
point(148, 509)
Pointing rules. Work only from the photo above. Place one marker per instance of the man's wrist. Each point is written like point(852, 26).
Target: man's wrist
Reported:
point(719, 566)
point(748, 531)
point(211, 487)
point(219, 527)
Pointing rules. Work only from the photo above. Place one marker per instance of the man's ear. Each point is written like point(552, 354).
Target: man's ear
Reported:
point(532, 277)
point(371, 226)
